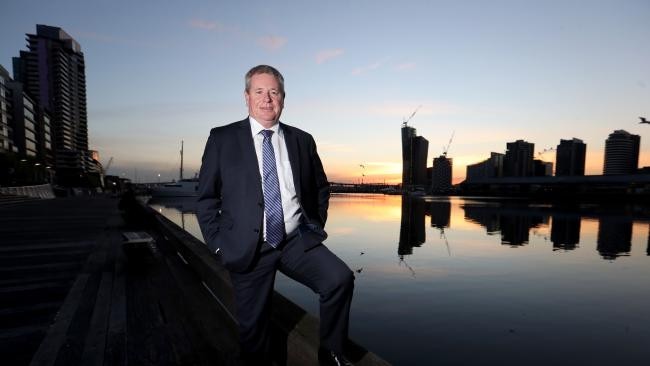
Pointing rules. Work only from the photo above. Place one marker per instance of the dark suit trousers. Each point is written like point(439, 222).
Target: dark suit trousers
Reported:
point(318, 268)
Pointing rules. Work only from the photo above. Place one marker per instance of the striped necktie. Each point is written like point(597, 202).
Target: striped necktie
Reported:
point(272, 198)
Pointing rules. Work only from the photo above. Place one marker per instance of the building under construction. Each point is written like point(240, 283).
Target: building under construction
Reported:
point(414, 159)
point(441, 174)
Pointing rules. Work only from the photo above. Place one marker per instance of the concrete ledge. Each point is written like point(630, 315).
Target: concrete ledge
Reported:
point(39, 191)
point(295, 333)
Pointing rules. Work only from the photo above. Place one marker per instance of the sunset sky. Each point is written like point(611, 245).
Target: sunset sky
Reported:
point(159, 72)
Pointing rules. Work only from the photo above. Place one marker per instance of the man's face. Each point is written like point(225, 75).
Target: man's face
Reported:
point(264, 99)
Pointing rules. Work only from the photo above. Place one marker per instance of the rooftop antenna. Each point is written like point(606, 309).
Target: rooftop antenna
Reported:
point(406, 120)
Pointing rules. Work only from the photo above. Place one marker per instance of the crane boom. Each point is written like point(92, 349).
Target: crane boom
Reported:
point(406, 120)
point(446, 149)
point(108, 165)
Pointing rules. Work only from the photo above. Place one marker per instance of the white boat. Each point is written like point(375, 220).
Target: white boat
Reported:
point(180, 188)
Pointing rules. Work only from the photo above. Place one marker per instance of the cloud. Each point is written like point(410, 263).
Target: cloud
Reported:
point(271, 43)
point(331, 147)
point(109, 39)
point(342, 230)
point(268, 42)
point(405, 66)
point(382, 169)
point(205, 24)
point(364, 69)
point(326, 55)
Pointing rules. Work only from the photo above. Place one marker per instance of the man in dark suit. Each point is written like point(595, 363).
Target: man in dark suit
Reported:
point(262, 207)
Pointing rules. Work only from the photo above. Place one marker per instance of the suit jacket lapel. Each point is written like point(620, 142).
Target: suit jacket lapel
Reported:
point(291, 140)
point(248, 151)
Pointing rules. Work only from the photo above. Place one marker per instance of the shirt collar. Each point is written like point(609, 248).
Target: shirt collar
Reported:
point(256, 127)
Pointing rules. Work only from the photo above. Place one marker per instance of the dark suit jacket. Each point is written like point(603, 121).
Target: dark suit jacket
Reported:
point(231, 204)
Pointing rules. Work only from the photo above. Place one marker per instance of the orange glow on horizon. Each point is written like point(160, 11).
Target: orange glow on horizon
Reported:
point(366, 206)
point(391, 172)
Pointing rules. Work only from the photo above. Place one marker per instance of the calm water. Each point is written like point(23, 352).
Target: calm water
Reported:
point(458, 281)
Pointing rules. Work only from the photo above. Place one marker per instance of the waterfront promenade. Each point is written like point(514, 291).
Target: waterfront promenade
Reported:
point(70, 295)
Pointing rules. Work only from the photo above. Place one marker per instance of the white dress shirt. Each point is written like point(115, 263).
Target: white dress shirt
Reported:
point(290, 204)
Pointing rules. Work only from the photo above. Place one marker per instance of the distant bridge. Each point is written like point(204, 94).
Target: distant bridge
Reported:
point(362, 188)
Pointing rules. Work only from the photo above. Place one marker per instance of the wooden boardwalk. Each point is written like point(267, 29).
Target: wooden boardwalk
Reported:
point(69, 295)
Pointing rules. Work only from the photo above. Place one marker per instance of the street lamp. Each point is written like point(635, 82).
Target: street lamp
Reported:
point(158, 178)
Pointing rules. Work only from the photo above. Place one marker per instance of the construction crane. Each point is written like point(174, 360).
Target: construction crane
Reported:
point(446, 148)
point(406, 120)
point(108, 165)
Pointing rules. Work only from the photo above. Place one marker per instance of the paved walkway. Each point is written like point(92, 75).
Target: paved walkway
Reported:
point(69, 294)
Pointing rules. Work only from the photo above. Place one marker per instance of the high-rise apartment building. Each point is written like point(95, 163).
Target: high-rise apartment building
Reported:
point(570, 158)
point(542, 168)
point(414, 158)
point(25, 122)
point(489, 168)
point(621, 153)
point(408, 133)
point(518, 161)
point(53, 73)
point(442, 174)
point(6, 118)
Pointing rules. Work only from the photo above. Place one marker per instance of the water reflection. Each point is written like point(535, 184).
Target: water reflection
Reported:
point(614, 237)
point(565, 232)
point(515, 220)
point(479, 301)
point(181, 210)
point(440, 212)
point(411, 233)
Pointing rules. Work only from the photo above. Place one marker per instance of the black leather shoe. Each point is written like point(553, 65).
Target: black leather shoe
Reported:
point(329, 358)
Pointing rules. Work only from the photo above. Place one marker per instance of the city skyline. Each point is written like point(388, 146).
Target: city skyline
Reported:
point(354, 71)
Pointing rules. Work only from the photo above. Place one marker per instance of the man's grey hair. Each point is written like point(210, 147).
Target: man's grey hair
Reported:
point(265, 69)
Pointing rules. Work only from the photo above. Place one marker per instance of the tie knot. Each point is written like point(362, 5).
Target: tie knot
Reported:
point(267, 133)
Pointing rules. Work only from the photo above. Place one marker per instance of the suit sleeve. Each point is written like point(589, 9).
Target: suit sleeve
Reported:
point(209, 199)
point(322, 185)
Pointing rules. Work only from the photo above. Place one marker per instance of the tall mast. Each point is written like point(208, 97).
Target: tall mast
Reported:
point(181, 160)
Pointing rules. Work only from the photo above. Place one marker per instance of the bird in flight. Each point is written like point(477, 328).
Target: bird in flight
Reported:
point(643, 120)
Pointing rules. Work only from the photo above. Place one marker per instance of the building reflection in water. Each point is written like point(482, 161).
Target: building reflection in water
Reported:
point(614, 237)
point(515, 228)
point(514, 223)
point(440, 212)
point(485, 216)
point(565, 232)
point(411, 232)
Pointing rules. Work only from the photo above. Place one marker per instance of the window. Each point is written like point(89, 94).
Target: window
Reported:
point(29, 125)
